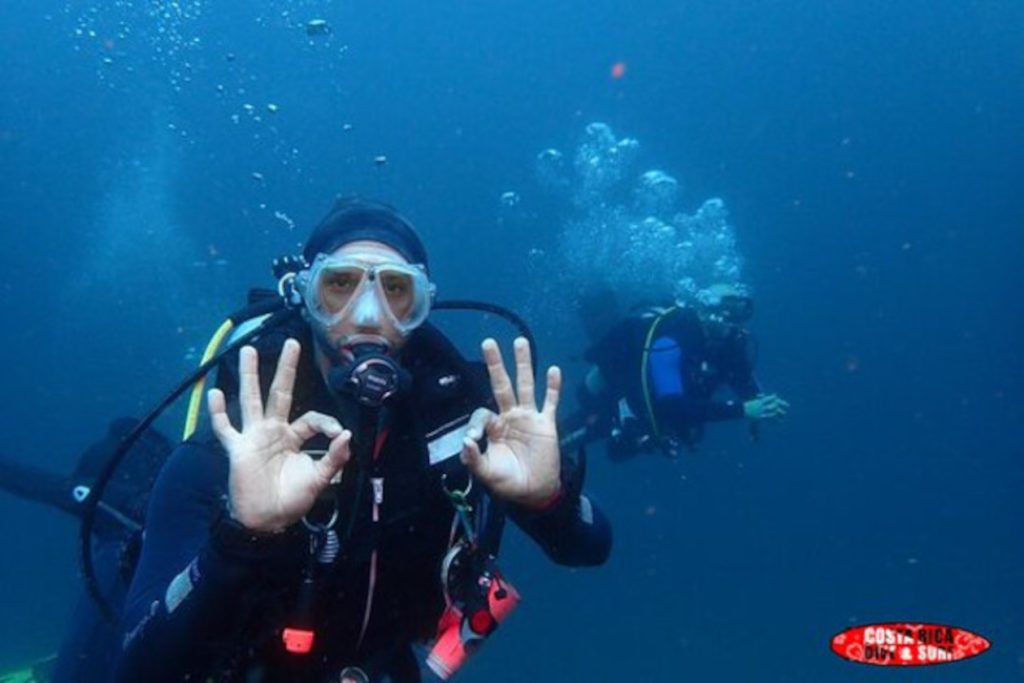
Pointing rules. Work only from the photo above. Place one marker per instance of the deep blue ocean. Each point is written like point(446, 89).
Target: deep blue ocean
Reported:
point(155, 156)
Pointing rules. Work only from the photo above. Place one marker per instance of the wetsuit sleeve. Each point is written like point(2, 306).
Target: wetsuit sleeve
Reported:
point(37, 485)
point(742, 381)
point(697, 411)
point(572, 530)
point(186, 587)
point(740, 378)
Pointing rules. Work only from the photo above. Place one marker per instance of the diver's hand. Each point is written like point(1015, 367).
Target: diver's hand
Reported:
point(766, 407)
point(522, 463)
point(272, 483)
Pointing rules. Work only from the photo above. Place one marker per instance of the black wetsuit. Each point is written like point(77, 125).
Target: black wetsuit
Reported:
point(688, 362)
point(200, 606)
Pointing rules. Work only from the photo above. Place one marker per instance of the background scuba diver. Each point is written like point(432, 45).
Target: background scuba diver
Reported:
point(341, 557)
point(655, 374)
point(90, 641)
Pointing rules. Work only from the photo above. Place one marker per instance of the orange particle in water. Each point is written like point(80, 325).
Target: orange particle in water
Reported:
point(618, 70)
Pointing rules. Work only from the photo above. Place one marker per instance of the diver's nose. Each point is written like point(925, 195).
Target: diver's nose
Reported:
point(367, 312)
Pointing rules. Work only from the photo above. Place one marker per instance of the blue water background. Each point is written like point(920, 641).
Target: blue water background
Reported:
point(870, 153)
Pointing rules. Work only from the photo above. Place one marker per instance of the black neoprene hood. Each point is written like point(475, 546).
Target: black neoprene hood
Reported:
point(350, 220)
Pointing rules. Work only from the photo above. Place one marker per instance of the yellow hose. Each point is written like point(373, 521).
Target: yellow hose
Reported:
point(195, 400)
point(644, 360)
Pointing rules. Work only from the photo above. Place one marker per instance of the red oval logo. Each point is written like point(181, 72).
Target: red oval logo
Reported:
point(906, 644)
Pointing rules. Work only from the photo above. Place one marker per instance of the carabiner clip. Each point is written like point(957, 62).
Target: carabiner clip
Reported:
point(463, 509)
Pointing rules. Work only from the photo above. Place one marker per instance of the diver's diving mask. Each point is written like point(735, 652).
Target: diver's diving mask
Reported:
point(337, 288)
point(735, 309)
point(726, 303)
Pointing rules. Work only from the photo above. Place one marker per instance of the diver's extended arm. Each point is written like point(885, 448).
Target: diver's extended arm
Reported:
point(572, 532)
point(696, 411)
point(37, 485)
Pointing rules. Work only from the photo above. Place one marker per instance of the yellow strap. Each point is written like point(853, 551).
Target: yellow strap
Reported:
point(644, 365)
point(195, 400)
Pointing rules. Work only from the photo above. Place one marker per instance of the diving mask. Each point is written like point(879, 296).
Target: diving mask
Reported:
point(726, 303)
point(737, 310)
point(337, 288)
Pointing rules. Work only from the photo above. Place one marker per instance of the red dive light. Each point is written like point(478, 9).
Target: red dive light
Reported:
point(460, 635)
point(298, 641)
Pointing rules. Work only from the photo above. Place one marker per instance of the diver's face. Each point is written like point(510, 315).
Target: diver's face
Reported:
point(737, 310)
point(729, 312)
point(719, 332)
point(365, 320)
point(725, 323)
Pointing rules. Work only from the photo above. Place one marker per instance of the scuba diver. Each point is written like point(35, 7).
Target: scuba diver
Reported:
point(90, 642)
point(655, 374)
point(348, 502)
